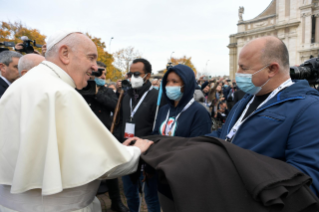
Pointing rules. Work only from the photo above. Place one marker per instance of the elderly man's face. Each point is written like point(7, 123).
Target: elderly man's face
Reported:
point(11, 72)
point(249, 62)
point(82, 62)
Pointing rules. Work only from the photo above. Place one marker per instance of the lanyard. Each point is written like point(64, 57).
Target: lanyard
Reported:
point(139, 103)
point(240, 121)
point(169, 128)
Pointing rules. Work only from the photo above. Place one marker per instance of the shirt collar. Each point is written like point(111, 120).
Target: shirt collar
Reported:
point(60, 73)
point(9, 83)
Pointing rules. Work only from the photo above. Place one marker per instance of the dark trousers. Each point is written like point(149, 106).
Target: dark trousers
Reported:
point(111, 186)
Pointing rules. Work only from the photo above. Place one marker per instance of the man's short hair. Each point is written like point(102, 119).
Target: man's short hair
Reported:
point(25, 63)
point(101, 64)
point(147, 66)
point(6, 57)
point(276, 50)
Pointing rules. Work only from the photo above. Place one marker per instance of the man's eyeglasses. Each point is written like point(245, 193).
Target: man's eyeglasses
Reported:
point(136, 74)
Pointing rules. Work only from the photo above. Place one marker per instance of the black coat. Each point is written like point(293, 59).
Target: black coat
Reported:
point(144, 116)
point(103, 105)
point(209, 174)
point(3, 86)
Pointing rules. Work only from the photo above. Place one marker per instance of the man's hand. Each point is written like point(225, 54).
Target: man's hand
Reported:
point(18, 47)
point(142, 144)
point(220, 80)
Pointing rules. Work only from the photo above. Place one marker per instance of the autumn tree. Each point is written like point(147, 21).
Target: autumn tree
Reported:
point(183, 60)
point(13, 32)
point(112, 72)
point(124, 56)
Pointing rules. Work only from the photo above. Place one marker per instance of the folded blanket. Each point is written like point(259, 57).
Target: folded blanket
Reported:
point(209, 174)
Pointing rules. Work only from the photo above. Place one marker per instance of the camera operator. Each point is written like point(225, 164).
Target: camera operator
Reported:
point(28, 62)
point(277, 117)
point(138, 109)
point(9, 69)
point(103, 105)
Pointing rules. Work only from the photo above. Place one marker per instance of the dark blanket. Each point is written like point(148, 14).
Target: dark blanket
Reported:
point(208, 174)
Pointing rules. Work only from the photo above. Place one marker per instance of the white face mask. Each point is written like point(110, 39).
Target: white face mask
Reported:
point(137, 82)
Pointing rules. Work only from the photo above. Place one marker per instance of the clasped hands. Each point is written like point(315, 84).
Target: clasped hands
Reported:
point(142, 144)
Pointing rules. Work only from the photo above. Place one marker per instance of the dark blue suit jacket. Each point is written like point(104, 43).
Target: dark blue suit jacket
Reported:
point(3, 86)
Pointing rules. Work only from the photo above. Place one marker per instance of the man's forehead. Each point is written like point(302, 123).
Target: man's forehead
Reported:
point(137, 66)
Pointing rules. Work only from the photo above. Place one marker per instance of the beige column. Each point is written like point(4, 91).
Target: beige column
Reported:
point(287, 8)
point(306, 27)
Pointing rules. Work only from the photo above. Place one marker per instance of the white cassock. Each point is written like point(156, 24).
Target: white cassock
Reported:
point(53, 148)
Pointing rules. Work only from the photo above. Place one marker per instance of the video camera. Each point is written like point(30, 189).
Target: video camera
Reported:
point(27, 47)
point(309, 70)
point(6, 44)
point(90, 89)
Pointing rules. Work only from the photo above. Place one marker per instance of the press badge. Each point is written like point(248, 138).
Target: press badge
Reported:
point(129, 130)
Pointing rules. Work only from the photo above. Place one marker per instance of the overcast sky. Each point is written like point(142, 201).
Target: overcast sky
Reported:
point(196, 28)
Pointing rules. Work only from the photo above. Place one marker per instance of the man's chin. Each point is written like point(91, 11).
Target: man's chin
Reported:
point(83, 85)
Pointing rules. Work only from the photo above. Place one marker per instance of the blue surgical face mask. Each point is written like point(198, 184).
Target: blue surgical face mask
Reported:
point(156, 87)
point(174, 92)
point(99, 82)
point(244, 82)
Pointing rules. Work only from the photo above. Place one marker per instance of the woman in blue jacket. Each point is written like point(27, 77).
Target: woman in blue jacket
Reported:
point(182, 115)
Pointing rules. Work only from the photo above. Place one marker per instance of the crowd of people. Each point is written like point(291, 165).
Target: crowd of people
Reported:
point(261, 110)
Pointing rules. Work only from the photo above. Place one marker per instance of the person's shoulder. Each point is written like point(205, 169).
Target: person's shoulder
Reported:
point(198, 108)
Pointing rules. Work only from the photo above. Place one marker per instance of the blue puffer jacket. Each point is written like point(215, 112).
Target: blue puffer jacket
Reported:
point(284, 128)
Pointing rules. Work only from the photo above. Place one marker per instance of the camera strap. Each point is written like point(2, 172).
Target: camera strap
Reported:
point(240, 121)
point(139, 103)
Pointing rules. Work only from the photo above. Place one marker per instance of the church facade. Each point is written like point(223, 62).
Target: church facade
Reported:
point(295, 22)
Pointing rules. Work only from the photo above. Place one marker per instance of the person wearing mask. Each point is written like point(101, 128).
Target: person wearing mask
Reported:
point(9, 69)
point(277, 117)
point(103, 104)
point(181, 116)
point(137, 114)
point(155, 84)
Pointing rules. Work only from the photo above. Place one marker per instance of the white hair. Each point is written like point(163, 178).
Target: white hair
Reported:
point(26, 63)
point(72, 41)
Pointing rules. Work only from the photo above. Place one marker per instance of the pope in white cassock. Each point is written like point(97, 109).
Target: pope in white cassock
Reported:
point(53, 149)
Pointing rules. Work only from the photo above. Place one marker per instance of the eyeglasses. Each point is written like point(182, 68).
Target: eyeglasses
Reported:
point(136, 74)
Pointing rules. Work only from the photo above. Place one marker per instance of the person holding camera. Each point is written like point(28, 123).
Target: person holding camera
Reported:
point(103, 104)
point(58, 150)
point(9, 69)
point(277, 117)
point(137, 115)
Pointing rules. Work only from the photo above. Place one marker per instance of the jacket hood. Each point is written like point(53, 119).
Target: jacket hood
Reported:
point(188, 77)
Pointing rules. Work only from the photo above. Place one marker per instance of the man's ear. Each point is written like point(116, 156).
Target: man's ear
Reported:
point(148, 76)
point(23, 72)
point(274, 69)
point(2, 68)
point(64, 54)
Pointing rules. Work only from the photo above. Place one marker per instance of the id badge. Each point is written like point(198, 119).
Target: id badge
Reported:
point(129, 130)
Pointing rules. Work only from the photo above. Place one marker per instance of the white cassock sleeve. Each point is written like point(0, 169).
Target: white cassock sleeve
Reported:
point(125, 168)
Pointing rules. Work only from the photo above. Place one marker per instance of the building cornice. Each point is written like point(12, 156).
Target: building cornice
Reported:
point(257, 20)
point(307, 6)
point(266, 29)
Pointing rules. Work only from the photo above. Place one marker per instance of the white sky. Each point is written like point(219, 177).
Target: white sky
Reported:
point(196, 28)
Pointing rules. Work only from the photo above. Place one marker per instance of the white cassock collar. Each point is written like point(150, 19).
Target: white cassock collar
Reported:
point(60, 73)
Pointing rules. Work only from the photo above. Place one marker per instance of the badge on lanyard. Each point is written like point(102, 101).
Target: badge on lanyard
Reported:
point(129, 130)
point(169, 127)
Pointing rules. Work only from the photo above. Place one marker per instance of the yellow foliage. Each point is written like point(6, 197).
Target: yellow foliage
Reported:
point(183, 60)
point(13, 32)
point(112, 72)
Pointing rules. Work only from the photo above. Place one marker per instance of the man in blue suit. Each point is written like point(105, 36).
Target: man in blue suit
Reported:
point(277, 117)
point(9, 69)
